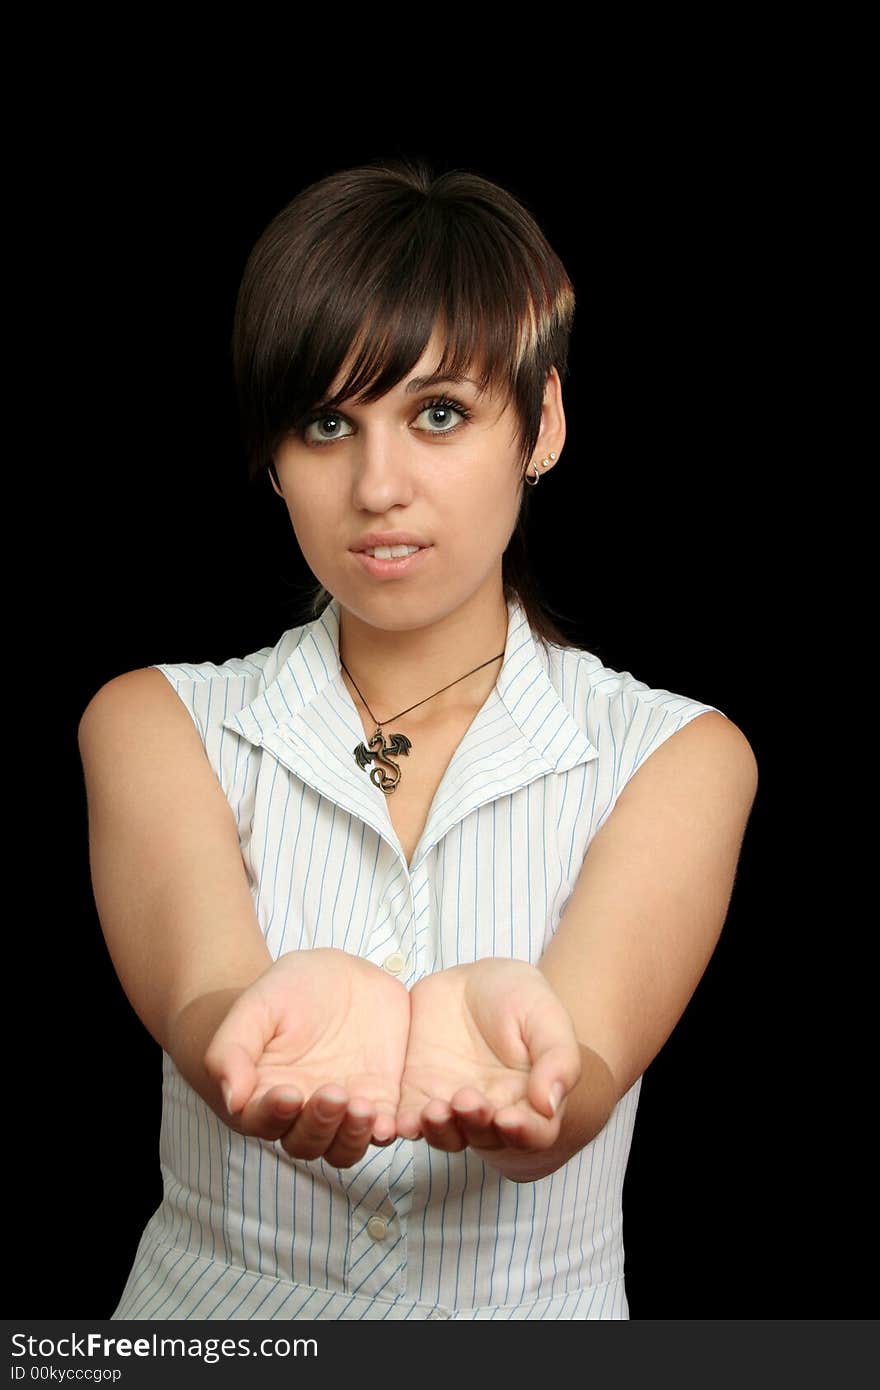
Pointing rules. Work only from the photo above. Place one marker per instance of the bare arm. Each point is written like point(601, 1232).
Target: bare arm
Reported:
point(636, 935)
point(169, 881)
point(647, 911)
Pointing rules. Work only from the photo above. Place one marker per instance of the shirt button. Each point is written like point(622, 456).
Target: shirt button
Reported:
point(377, 1227)
point(394, 963)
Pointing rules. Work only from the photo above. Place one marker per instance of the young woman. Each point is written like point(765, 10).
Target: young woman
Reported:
point(412, 898)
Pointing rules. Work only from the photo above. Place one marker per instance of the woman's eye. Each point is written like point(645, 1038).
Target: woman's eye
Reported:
point(439, 413)
point(322, 420)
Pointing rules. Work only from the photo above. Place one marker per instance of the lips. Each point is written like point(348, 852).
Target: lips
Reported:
point(395, 567)
point(372, 539)
point(398, 551)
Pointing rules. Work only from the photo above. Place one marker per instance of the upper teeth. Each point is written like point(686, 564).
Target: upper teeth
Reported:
point(390, 552)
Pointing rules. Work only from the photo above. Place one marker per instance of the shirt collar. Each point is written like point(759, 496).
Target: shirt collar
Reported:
point(305, 716)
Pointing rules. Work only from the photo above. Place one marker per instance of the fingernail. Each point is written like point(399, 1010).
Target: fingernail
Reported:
point(227, 1094)
point(555, 1097)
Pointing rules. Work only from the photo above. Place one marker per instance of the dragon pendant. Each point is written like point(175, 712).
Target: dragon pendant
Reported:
point(398, 744)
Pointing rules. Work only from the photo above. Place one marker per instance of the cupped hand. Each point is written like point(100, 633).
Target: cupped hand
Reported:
point(487, 1043)
point(311, 1054)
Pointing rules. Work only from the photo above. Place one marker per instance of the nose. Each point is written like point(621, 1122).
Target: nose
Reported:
point(382, 471)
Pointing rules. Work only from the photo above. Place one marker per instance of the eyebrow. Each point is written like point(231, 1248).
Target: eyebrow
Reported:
point(419, 383)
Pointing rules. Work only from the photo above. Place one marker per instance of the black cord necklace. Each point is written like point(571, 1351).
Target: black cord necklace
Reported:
point(398, 743)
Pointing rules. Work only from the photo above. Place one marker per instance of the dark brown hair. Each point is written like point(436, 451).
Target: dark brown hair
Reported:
point(373, 257)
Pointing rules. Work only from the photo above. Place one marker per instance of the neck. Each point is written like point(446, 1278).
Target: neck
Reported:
point(396, 667)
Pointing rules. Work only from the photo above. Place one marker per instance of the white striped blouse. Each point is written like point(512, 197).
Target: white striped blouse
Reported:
point(410, 1231)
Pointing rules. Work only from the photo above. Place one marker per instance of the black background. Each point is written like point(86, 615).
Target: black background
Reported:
point(670, 529)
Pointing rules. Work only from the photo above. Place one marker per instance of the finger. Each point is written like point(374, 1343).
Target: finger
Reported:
point(409, 1122)
point(549, 1035)
point(353, 1135)
point(408, 1118)
point(317, 1124)
point(473, 1116)
point(439, 1127)
point(245, 1029)
point(232, 1068)
point(522, 1127)
point(235, 1049)
point(269, 1114)
point(384, 1128)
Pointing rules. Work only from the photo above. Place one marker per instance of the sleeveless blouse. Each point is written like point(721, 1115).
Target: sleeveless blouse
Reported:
point(245, 1231)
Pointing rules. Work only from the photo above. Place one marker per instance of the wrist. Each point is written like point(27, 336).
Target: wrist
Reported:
point(589, 1103)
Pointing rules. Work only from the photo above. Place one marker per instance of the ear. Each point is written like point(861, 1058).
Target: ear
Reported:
point(552, 432)
point(275, 486)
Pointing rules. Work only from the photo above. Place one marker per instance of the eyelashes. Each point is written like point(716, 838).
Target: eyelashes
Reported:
point(437, 402)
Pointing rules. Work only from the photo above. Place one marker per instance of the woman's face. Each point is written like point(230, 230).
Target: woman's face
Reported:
point(404, 464)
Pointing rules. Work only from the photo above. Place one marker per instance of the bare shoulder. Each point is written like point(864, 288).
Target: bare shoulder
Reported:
point(710, 749)
point(137, 738)
point(714, 727)
point(143, 692)
point(709, 734)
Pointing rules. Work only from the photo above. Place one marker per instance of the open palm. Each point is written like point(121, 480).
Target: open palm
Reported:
point(487, 1041)
point(319, 1025)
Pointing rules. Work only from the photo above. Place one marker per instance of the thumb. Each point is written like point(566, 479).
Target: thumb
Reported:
point(549, 1035)
point(234, 1071)
point(233, 1052)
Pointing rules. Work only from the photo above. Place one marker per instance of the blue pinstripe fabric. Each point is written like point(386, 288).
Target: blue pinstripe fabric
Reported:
point(244, 1231)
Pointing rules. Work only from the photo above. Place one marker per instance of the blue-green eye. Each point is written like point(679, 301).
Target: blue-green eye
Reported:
point(438, 404)
point(322, 420)
point(443, 403)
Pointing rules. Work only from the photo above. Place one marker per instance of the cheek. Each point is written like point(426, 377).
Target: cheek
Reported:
point(479, 526)
point(309, 511)
point(497, 506)
point(484, 498)
point(306, 526)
